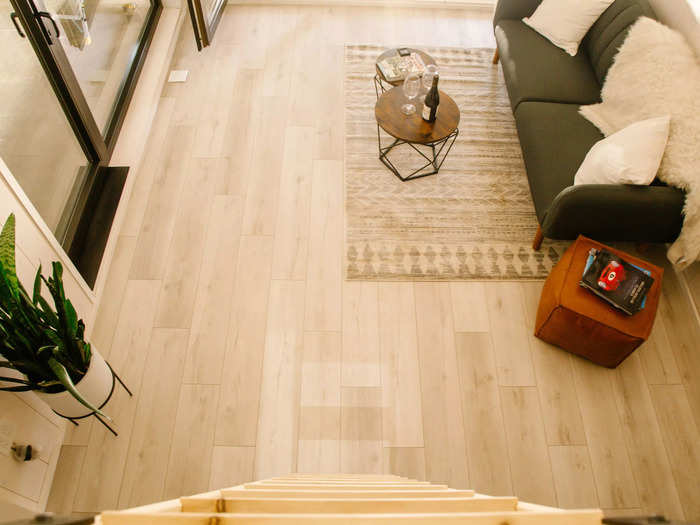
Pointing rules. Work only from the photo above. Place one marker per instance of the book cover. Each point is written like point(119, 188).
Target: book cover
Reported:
point(398, 67)
point(623, 285)
point(591, 258)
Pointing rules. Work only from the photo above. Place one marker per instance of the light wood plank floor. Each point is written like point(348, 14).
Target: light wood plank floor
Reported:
point(227, 314)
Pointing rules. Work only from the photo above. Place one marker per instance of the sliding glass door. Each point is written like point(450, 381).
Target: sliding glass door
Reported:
point(205, 16)
point(69, 68)
point(99, 39)
point(36, 140)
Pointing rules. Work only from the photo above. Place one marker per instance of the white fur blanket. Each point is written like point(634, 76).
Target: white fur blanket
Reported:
point(656, 73)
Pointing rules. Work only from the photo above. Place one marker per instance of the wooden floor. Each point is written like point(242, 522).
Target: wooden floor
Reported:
point(227, 314)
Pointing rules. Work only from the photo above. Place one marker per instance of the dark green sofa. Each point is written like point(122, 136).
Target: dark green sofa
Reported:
point(546, 86)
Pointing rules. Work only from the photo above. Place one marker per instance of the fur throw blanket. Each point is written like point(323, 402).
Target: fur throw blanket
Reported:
point(656, 73)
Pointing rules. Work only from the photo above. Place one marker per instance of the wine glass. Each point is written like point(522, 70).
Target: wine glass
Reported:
point(430, 71)
point(411, 88)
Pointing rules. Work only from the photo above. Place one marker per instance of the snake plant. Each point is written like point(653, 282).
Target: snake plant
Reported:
point(46, 344)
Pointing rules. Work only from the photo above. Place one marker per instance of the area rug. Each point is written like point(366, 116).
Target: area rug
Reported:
point(473, 220)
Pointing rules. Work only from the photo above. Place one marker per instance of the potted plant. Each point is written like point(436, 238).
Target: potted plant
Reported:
point(46, 343)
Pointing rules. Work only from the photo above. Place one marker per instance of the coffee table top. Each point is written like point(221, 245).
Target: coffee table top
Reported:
point(412, 128)
point(427, 60)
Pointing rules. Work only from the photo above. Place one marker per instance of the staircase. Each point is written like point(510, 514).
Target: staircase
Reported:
point(346, 499)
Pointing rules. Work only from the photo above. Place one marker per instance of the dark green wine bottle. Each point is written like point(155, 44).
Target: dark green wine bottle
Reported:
point(432, 101)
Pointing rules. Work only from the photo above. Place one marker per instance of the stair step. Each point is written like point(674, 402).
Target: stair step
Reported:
point(569, 517)
point(340, 494)
point(342, 480)
point(248, 505)
point(332, 482)
point(317, 477)
point(344, 486)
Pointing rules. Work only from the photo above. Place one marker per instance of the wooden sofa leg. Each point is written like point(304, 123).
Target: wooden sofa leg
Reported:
point(496, 56)
point(537, 241)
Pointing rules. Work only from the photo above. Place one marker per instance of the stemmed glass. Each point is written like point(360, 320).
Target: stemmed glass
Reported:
point(430, 71)
point(411, 88)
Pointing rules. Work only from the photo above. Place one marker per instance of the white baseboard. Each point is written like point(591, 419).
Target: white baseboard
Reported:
point(431, 4)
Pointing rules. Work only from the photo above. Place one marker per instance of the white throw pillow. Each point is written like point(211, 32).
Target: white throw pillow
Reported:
point(657, 73)
point(630, 156)
point(566, 22)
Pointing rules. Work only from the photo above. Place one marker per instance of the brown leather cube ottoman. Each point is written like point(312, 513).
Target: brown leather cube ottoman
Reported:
point(573, 318)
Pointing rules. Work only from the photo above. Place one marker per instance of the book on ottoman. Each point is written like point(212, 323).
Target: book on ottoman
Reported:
point(571, 317)
point(623, 285)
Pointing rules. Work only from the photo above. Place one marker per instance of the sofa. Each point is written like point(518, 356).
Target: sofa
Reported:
point(546, 87)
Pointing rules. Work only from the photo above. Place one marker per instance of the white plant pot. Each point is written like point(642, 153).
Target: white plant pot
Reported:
point(95, 387)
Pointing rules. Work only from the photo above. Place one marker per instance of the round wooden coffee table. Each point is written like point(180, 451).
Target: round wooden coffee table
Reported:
point(436, 137)
point(380, 80)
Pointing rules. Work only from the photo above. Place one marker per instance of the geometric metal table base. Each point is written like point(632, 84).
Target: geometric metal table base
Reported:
point(114, 377)
point(379, 87)
point(436, 148)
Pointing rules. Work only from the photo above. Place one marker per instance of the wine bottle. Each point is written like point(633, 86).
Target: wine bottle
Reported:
point(432, 100)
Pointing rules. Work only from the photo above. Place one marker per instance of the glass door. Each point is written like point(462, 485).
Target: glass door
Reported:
point(93, 45)
point(205, 16)
point(69, 71)
point(99, 39)
point(36, 140)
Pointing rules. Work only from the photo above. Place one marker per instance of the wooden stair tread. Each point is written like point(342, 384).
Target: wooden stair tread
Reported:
point(334, 475)
point(346, 500)
point(344, 482)
point(569, 517)
point(333, 494)
point(349, 505)
point(355, 486)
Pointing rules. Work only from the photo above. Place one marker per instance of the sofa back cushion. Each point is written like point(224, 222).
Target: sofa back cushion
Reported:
point(514, 10)
point(610, 30)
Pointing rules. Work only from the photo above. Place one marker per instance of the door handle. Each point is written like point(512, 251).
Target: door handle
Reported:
point(14, 17)
point(45, 14)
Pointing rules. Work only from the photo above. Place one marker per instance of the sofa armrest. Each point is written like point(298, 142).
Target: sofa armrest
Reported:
point(609, 212)
point(514, 9)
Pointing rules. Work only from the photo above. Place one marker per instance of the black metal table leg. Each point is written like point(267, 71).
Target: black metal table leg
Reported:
point(378, 85)
point(434, 160)
point(451, 138)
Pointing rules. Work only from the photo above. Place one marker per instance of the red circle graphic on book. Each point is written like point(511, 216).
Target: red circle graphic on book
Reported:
point(611, 276)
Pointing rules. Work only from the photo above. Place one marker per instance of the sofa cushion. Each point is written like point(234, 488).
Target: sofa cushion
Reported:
point(565, 22)
point(537, 70)
point(514, 10)
point(630, 156)
point(609, 32)
point(554, 139)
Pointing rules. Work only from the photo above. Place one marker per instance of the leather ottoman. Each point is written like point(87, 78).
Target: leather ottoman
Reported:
point(573, 318)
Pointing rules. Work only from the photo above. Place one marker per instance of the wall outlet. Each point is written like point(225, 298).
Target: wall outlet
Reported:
point(7, 435)
point(178, 75)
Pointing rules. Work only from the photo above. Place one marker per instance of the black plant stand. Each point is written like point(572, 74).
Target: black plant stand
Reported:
point(115, 378)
